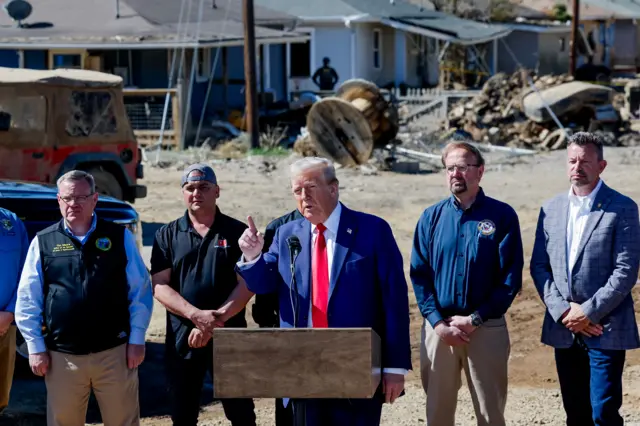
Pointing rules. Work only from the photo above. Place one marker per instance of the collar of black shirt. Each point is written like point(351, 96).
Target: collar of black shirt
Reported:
point(185, 225)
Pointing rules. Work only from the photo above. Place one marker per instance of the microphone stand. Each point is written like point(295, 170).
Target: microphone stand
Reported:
point(298, 407)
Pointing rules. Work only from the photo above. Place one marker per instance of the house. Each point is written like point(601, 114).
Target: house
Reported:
point(138, 39)
point(389, 42)
point(607, 29)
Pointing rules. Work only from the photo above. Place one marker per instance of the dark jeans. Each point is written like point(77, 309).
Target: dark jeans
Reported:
point(186, 377)
point(284, 415)
point(340, 412)
point(591, 385)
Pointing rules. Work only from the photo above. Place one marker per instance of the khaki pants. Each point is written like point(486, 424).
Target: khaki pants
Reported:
point(484, 360)
point(71, 377)
point(7, 364)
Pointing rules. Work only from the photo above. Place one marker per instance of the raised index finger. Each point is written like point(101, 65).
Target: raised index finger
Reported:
point(252, 226)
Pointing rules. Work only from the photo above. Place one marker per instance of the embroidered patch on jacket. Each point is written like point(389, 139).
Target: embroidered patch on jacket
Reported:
point(6, 224)
point(486, 227)
point(103, 244)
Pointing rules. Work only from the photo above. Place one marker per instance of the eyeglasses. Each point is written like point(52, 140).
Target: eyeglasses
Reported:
point(462, 168)
point(78, 199)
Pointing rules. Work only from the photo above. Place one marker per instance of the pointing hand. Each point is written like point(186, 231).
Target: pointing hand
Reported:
point(251, 241)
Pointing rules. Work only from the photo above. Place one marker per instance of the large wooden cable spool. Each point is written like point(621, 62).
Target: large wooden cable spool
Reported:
point(348, 126)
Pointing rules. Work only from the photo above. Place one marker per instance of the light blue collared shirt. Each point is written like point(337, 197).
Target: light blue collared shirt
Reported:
point(14, 242)
point(30, 302)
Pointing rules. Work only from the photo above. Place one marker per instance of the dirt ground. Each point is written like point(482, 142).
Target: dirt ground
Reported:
point(259, 187)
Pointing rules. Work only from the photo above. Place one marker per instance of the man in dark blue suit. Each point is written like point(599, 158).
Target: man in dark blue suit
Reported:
point(349, 273)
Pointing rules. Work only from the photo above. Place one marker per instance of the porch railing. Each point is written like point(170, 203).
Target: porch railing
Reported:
point(429, 108)
point(145, 109)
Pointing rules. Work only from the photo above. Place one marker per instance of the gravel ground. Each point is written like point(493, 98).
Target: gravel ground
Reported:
point(259, 187)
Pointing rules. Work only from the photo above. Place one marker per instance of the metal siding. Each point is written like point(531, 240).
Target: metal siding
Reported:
point(523, 45)
point(625, 42)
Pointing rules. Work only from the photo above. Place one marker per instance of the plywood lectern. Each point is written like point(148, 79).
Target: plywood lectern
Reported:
point(296, 363)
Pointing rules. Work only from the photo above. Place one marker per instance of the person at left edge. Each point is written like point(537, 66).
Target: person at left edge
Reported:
point(350, 274)
point(193, 273)
point(14, 243)
point(86, 284)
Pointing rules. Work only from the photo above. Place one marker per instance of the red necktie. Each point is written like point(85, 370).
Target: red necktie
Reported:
point(320, 280)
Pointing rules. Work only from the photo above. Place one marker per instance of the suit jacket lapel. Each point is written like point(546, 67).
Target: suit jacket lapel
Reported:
point(344, 239)
point(563, 224)
point(597, 211)
point(303, 264)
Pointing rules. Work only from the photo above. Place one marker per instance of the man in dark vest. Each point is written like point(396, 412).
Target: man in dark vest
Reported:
point(84, 305)
point(265, 311)
point(326, 76)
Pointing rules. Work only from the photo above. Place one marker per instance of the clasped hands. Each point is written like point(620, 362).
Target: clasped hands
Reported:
point(205, 322)
point(577, 322)
point(455, 330)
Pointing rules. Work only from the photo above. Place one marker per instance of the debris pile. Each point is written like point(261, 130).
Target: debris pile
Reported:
point(498, 115)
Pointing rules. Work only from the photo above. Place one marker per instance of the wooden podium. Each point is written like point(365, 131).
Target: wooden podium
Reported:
point(296, 362)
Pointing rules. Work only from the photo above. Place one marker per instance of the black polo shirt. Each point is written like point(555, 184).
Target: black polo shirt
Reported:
point(202, 270)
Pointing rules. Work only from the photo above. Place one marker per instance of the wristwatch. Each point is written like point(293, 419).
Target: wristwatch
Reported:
point(476, 320)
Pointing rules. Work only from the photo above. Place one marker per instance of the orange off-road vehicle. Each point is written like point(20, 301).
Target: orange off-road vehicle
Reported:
point(53, 121)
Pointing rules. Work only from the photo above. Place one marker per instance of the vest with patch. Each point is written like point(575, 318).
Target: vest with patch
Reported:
point(86, 306)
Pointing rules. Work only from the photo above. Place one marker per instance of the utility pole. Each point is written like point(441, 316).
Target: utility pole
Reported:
point(575, 22)
point(251, 97)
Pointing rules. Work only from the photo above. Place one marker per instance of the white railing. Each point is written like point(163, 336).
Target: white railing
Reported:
point(428, 108)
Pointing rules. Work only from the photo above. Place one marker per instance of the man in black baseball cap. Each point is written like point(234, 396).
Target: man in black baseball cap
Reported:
point(193, 273)
point(197, 173)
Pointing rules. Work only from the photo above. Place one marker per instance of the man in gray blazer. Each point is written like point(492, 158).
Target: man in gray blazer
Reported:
point(584, 264)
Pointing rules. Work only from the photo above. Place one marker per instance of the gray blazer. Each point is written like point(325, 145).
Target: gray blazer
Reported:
point(605, 270)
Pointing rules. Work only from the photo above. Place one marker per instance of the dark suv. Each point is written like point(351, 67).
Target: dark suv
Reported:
point(37, 206)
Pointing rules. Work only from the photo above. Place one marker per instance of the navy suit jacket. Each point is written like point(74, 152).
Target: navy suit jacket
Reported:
point(367, 289)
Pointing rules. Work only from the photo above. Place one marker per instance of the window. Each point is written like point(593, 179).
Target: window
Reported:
point(301, 59)
point(377, 49)
point(91, 114)
point(28, 113)
point(66, 61)
point(204, 64)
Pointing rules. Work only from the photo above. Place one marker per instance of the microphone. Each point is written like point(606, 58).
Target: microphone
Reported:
point(294, 247)
point(294, 250)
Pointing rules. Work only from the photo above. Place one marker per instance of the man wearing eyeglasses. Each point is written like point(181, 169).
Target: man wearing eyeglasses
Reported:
point(466, 269)
point(84, 305)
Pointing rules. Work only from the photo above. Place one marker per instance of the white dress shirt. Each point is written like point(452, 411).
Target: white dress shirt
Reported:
point(579, 208)
point(30, 304)
point(332, 225)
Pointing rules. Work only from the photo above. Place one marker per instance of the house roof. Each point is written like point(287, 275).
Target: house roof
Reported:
point(65, 77)
point(212, 11)
point(397, 13)
point(142, 24)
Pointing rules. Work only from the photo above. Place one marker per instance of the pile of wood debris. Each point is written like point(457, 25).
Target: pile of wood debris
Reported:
point(498, 114)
